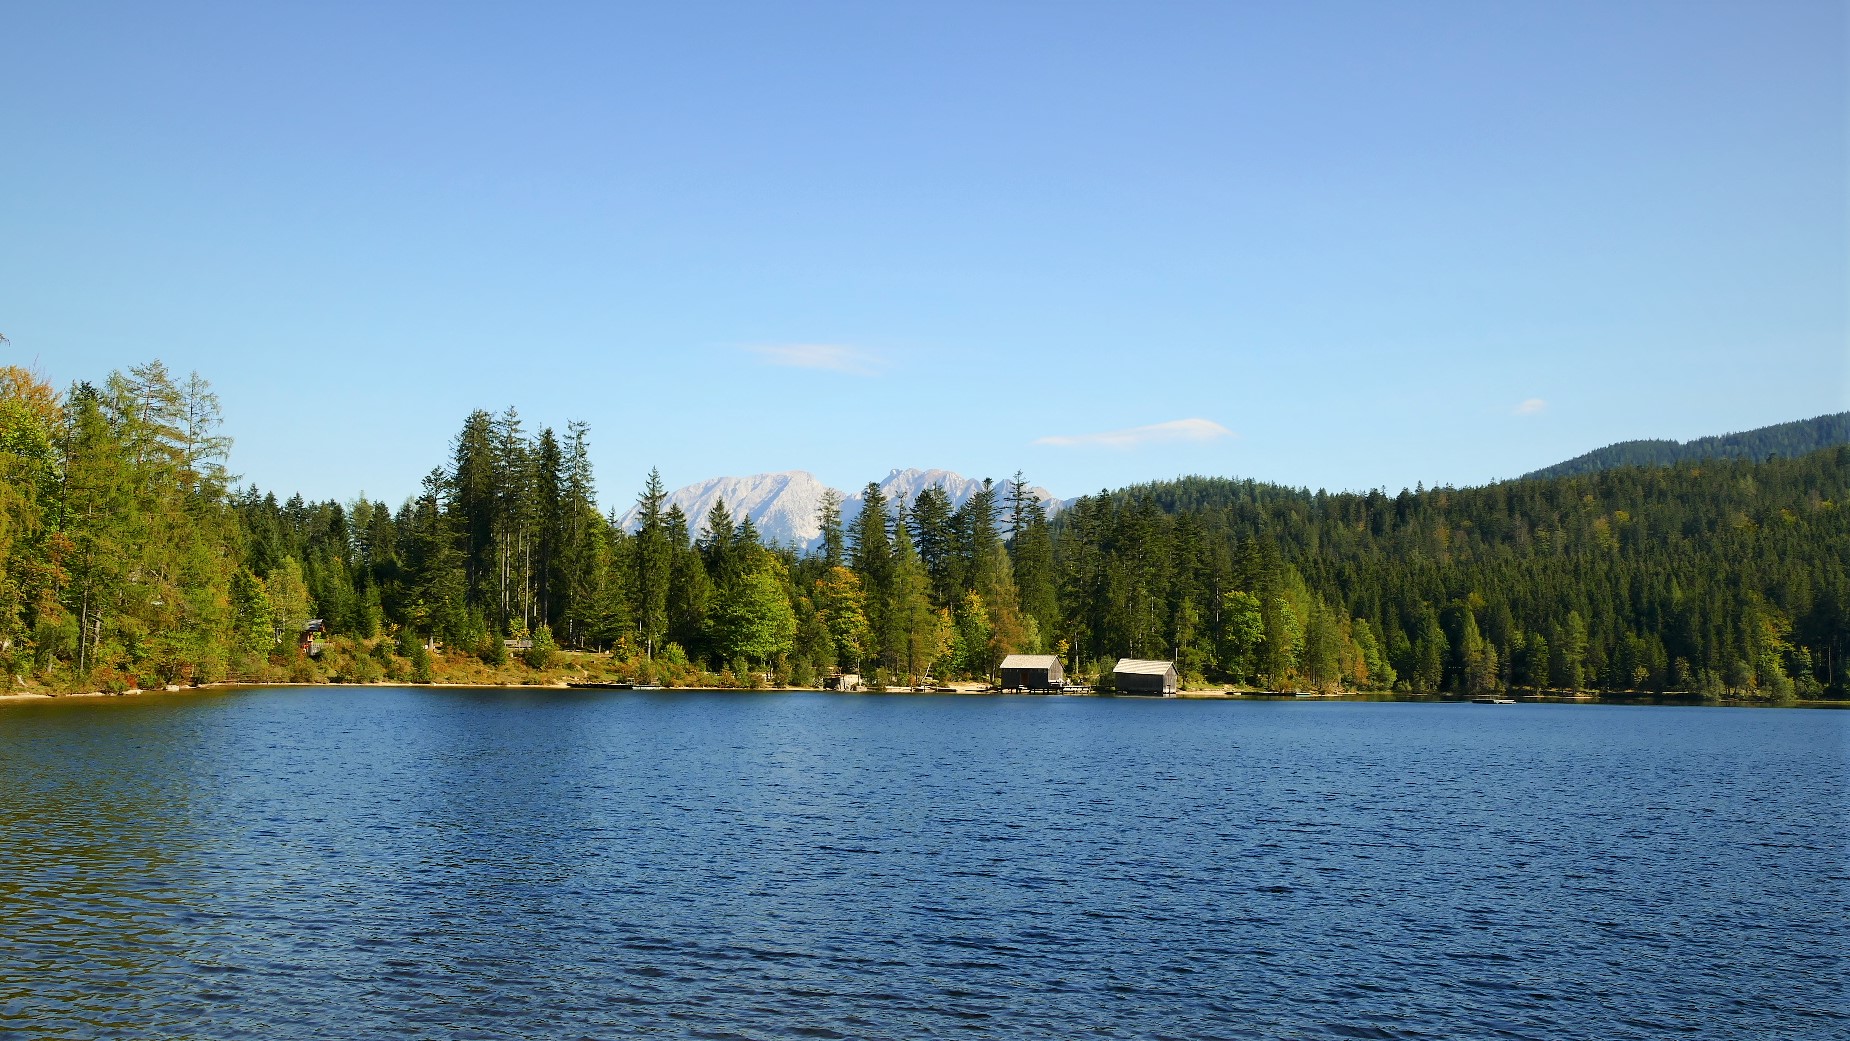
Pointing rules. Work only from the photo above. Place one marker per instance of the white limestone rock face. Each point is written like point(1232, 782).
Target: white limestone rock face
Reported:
point(905, 486)
point(784, 506)
point(781, 505)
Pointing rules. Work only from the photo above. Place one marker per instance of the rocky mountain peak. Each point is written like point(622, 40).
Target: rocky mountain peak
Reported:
point(783, 506)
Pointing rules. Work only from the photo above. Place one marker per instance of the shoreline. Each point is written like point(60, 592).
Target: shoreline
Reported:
point(26, 697)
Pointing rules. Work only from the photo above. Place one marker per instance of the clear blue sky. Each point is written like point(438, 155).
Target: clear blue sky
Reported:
point(1353, 245)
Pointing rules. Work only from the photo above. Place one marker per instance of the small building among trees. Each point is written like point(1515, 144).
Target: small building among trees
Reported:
point(1032, 672)
point(1135, 676)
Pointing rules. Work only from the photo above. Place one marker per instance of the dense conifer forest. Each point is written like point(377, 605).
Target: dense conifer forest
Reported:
point(129, 557)
point(1779, 441)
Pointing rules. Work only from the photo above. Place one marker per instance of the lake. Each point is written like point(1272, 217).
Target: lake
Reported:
point(427, 863)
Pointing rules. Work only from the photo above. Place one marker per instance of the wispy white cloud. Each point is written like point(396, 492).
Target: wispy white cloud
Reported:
point(1137, 437)
point(1531, 407)
point(829, 357)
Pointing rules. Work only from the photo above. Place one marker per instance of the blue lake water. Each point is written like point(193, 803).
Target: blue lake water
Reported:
point(423, 863)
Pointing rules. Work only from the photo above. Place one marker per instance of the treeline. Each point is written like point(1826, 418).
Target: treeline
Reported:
point(505, 544)
point(127, 556)
point(1779, 441)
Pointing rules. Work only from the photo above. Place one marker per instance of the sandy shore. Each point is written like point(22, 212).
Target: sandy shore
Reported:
point(41, 696)
point(237, 685)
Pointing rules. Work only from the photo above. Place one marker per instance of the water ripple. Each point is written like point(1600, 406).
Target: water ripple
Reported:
point(451, 864)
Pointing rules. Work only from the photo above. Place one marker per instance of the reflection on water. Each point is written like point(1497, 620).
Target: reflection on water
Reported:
point(423, 863)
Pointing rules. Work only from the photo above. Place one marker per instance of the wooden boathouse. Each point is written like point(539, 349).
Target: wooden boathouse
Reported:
point(1136, 676)
point(1032, 672)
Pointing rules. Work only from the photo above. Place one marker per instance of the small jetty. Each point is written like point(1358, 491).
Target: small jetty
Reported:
point(615, 686)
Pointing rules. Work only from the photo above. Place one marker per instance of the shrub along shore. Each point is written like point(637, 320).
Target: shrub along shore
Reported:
point(353, 662)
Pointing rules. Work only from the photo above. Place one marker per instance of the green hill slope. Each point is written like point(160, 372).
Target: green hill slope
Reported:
point(1780, 441)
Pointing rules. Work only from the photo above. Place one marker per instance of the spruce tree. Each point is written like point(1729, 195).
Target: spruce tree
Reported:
point(828, 519)
point(870, 548)
point(472, 502)
point(549, 582)
point(584, 540)
point(653, 563)
point(934, 537)
point(910, 641)
point(1031, 554)
point(718, 547)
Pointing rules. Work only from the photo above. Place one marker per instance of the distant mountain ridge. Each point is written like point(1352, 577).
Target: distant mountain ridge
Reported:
point(1781, 440)
point(784, 506)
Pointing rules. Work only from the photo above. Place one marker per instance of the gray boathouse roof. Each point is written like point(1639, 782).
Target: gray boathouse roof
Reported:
point(1030, 661)
point(1139, 667)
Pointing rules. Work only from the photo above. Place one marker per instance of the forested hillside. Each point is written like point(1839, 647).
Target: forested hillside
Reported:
point(1727, 575)
point(1780, 441)
point(126, 559)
